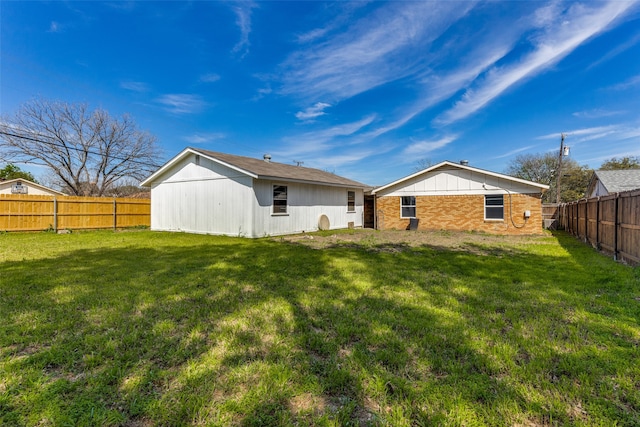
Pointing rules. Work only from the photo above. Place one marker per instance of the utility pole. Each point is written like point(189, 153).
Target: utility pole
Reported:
point(564, 151)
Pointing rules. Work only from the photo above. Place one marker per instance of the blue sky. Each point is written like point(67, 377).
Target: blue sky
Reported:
point(362, 89)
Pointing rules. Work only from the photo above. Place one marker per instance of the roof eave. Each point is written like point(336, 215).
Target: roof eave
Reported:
point(305, 181)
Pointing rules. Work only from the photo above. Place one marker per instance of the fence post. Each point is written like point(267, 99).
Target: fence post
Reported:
point(115, 217)
point(55, 214)
point(615, 228)
point(586, 221)
point(598, 223)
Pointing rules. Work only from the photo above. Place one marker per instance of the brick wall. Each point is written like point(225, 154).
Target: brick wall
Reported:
point(462, 213)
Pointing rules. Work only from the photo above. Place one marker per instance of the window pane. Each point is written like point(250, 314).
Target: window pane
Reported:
point(279, 199)
point(493, 200)
point(279, 206)
point(494, 212)
point(408, 212)
point(351, 201)
point(408, 201)
point(279, 192)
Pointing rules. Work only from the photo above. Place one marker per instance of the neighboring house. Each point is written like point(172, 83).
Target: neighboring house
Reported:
point(616, 181)
point(202, 191)
point(24, 186)
point(452, 196)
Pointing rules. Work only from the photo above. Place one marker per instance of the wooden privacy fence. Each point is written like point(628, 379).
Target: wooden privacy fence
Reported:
point(36, 213)
point(610, 223)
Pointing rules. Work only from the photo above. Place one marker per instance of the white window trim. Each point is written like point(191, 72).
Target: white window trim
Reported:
point(493, 206)
point(415, 202)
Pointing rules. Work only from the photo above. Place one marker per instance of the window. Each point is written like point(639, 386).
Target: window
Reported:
point(494, 207)
point(351, 201)
point(407, 207)
point(279, 199)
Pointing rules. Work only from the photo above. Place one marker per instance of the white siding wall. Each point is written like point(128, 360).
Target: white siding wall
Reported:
point(305, 204)
point(456, 182)
point(205, 198)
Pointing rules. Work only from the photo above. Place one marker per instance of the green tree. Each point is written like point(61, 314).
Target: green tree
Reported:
point(11, 171)
point(627, 162)
point(542, 168)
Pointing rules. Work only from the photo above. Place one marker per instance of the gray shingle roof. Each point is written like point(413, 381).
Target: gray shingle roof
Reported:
point(266, 170)
point(619, 180)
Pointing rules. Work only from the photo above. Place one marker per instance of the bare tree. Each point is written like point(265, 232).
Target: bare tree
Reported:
point(422, 164)
point(88, 151)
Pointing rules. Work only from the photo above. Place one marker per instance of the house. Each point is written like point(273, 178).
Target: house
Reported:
point(456, 196)
point(24, 186)
point(604, 182)
point(202, 191)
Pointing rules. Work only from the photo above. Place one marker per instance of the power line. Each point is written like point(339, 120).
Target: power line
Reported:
point(66, 147)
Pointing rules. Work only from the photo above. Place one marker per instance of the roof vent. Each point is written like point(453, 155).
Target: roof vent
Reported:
point(267, 158)
point(464, 162)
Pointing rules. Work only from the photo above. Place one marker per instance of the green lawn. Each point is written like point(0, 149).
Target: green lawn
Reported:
point(144, 329)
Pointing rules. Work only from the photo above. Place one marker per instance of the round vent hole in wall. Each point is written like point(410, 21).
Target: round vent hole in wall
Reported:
point(323, 222)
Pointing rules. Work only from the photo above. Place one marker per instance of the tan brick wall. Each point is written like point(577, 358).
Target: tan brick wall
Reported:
point(462, 213)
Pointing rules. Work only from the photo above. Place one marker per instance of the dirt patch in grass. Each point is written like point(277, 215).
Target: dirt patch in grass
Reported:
point(398, 241)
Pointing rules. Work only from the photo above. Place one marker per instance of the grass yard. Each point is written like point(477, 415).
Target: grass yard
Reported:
point(145, 329)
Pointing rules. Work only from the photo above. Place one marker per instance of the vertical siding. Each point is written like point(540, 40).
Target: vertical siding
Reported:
point(206, 198)
point(305, 204)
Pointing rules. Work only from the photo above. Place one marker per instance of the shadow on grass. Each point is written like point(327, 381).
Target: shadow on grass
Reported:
point(230, 331)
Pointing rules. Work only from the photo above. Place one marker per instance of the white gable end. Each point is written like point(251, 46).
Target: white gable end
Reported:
point(198, 168)
point(453, 181)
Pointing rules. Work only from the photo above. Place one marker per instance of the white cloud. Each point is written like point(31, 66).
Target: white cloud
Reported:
point(312, 112)
point(616, 51)
point(182, 103)
point(203, 138)
point(580, 132)
point(627, 84)
point(428, 145)
point(596, 113)
point(343, 12)
point(262, 92)
point(516, 151)
point(373, 51)
point(345, 158)
point(243, 10)
point(323, 139)
point(437, 88)
point(54, 27)
point(553, 43)
point(209, 78)
point(134, 86)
